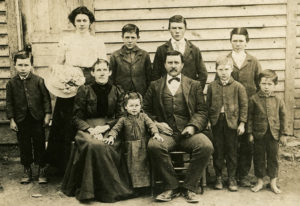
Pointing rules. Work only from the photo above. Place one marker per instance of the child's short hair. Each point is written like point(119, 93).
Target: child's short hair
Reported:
point(224, 60)
point(268, 73)
point(98, 61)
point(23, 55)
point(177, 19)
point(240, 31)
point(131, 28)
point(174, 53)
point(132, 95)
point(81, 10)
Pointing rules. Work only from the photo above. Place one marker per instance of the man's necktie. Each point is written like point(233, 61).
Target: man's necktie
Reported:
point(174, 78)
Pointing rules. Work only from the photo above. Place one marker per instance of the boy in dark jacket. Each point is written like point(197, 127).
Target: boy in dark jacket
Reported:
point(267, 125)
point(228, 106)
point(28, 107)
point(130, 65)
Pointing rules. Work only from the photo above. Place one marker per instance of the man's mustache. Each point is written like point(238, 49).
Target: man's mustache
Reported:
point(173, 70)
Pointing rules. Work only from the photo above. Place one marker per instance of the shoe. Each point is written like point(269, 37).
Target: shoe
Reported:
point(42, 176)
point(27, 176)
point(219, 183)
point(232, 185)
point(190, 196)
point(167, 196)
point(244, 182)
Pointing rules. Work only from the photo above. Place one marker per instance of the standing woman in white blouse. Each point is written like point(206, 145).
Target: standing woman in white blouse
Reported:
point(245, 70)
point(80, 49)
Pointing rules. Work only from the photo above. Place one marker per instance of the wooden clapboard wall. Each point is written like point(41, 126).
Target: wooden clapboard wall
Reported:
point(4, 58)
point(209, 24)
point(297, 76)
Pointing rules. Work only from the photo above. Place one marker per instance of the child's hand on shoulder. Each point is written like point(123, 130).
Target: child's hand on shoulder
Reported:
point(241, 128)
point(283, 140)
point(251, 138)
point(158, 137)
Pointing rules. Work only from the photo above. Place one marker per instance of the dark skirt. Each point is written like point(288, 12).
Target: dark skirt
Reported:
point(96, 171)
point(62, 132)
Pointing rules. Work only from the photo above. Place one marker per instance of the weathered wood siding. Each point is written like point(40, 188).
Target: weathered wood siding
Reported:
point(209, 23)
point(297, 76)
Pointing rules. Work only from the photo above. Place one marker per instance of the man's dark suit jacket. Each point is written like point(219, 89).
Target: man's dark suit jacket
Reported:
point(192, 91)
point(125, 72)
point(193, 68)
point(27, 95)
point(85, 106)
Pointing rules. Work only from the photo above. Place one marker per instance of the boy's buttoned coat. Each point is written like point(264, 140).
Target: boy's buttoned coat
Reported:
point(265, 112)
point(193, 68)
point(126, 71)
point(28, 95)
point(233, 97)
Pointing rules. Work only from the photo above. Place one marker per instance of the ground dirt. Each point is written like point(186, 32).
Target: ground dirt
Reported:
point(15, 194)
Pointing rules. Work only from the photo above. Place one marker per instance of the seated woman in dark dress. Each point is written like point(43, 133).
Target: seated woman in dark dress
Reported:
point(97, 170)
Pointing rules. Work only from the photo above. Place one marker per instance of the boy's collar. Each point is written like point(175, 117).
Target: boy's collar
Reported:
point(262, 94)
point(126, 50)
point(28, 76)
point(229, 81)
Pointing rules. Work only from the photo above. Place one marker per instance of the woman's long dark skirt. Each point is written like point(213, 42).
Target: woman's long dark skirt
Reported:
point(96, 171)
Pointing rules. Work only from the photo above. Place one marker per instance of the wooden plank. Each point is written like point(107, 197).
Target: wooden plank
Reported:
point(200, 23)
point(297, 133)
point(3, 29)
point(290, 62)
point(190, 12)
point(297, 94)
point(3, 19)
point(3, 83)
point(198, 34)
point(296, 124)
point(2, 6)
point(116, 4)
point(4, 73)
point(4, 62)
point(3, 39)
point(2, 93)
point(214, 45)
point(297, 113)
point(4, 51)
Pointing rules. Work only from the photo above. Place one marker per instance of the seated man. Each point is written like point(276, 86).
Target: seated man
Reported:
point(177, 104)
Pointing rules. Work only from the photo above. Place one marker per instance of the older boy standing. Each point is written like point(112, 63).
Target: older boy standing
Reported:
point(28, 107)
point(194, 67)
point(228, 106)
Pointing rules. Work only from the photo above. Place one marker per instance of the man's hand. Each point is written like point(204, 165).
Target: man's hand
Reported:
point(102, 129)
point(283, 140)
point(188, 131)
point(164, 128)
point(47, 119)
point(158, 137)
point(110, 140)
point(241, 129)
point(208, 125)
point(251, 138)
point(13, 125)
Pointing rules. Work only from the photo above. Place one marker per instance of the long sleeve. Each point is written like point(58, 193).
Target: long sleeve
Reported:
point(243, 104)
point(79, 109)
point(201, 69)
point(148, 70)
point(117, 128)
point(150, 124)
point(9, 101)
point(257, 72)
point(158, 65)
point(250, 116)
point(283, 118)
point(148, 102)
point(46, 97)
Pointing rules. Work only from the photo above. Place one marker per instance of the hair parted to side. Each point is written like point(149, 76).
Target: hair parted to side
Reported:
point(240, 31)
point(268, 73)
point(23, 55)
point(174, 53)
point(177, 19)
point(99, 61)
point(131, 28)
point(132, 95)
point(81, 10)
point(224, 61)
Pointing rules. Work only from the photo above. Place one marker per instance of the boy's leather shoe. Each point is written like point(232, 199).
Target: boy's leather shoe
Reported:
point(232, 185)
point(190, 196)
point(42, 176)
point(27, 176)
point(167, 196)
point(219, 183)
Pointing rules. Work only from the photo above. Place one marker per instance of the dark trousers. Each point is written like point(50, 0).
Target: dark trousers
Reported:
point(266, 148)
point(245, 154)
point(225, 144)
point(31, 133)
point(198, 145)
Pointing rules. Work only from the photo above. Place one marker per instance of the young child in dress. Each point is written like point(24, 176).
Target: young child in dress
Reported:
point(134, 127)
point(130, 65)
point(28, 107)
point(228, 107)
point(267, 125)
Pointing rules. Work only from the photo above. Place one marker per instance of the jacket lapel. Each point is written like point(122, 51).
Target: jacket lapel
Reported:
point(186, 87)
point(188, 49)
point(124, 55)
point(138, 55)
